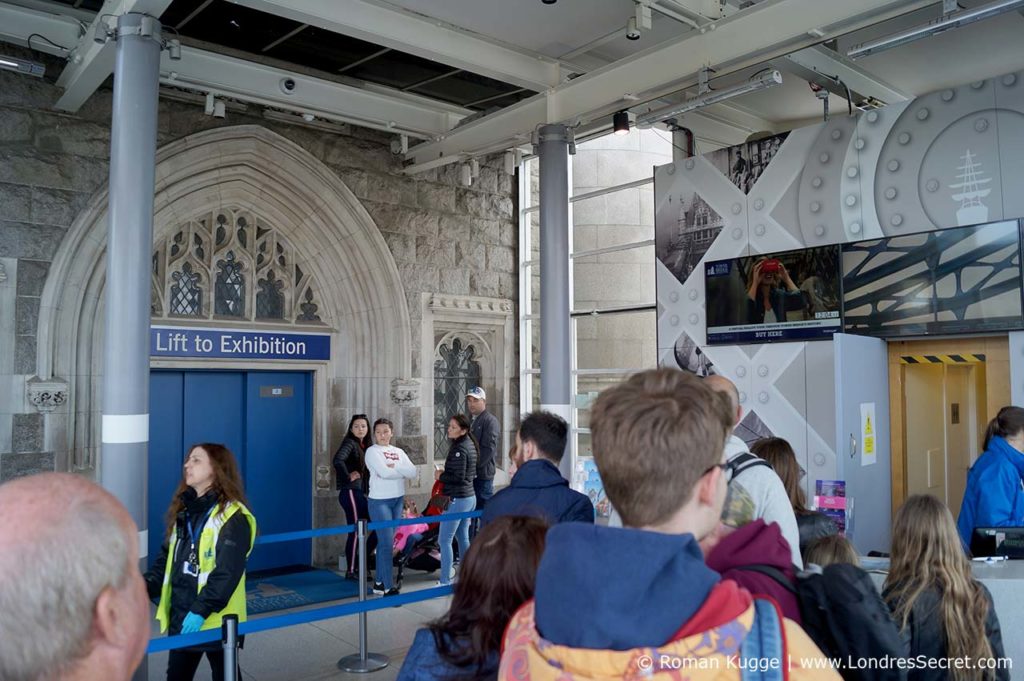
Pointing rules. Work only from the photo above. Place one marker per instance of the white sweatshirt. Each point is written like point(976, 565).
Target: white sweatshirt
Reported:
point(769, 495)
point(389, 466)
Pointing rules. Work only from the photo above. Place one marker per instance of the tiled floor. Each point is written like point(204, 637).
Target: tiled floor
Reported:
point(310, 652)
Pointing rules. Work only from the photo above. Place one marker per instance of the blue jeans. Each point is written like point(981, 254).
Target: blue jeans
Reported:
point(484, 490)
point(385, 509)
point(455, 529)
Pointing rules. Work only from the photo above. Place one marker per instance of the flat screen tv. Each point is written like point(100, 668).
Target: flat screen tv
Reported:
point(777, 297)
point(956, 280)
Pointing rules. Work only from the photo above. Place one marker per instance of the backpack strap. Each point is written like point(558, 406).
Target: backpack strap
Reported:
point(745, 462)
point(771, 571)
point(764, 645)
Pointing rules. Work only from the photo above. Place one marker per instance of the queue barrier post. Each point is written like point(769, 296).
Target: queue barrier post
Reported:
point(365, 661)
point(229, 644)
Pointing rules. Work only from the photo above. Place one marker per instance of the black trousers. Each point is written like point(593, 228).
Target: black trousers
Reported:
point(353, 502)
point(182, 664)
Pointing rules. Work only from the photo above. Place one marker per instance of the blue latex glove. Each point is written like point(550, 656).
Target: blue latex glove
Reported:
point(192, 623)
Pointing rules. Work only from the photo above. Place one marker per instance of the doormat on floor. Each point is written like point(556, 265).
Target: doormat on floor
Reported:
point(294, 586)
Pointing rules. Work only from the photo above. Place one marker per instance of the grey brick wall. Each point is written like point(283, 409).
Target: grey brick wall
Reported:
point(444, 237)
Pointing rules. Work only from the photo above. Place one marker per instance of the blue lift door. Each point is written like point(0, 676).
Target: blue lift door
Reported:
point(270, 435)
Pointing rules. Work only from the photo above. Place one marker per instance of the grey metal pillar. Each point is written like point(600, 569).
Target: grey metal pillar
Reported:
point(123, 462)
point(682, 143)
point(555, 326)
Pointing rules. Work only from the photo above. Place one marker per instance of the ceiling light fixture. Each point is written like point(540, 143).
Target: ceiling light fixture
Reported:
point(620, 123)
point(29, 68)
point(549, 2)
point(947, 22)
point(765, 79)
point(632, 31)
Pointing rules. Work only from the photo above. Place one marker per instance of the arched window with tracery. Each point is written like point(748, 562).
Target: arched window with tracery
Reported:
point(230, 264)
point(456, 370)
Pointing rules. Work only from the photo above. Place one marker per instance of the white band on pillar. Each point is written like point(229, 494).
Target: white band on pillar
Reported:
point(143, 544)
point(125, 428)
point(563, 410)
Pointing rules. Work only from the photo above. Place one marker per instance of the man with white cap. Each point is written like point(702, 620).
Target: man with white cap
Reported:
point(486, 430)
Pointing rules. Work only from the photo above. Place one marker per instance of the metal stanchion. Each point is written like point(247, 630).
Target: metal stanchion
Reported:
point(364, 661)
point(229, 643)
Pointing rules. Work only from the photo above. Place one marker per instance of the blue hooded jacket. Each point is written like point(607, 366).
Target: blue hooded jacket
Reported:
point(613, 588)
point(995, 490)
point(538, 489)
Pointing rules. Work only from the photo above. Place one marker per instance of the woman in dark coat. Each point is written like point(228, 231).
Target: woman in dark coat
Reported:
point(199, 575)
point(781, 457)
point(352, 484)
point(940, 608)
point(457, 478)
point(496, 579)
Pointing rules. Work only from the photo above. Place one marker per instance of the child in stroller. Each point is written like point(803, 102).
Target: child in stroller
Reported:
point(415, 545)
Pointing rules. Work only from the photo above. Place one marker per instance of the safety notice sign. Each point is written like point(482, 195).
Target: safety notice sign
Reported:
point(868, 426)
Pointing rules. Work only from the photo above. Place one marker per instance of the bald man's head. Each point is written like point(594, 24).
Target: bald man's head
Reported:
point(74, 602)
point(721, 384)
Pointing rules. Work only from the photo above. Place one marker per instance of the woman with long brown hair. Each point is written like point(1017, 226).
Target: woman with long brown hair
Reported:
point(199, 576)
point(353, 483)
point(497, 577)
point(936, 601)
point(780, 456)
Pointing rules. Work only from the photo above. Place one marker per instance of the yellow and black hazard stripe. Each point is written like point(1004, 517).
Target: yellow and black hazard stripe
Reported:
point(962, 358)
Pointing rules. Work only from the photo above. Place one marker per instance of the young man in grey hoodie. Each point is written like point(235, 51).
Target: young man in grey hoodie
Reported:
point(762, 483)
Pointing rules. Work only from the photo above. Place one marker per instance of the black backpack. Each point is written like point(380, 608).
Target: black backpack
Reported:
point(847, 619)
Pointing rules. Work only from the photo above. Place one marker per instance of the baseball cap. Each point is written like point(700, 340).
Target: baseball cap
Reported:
point(478, 393)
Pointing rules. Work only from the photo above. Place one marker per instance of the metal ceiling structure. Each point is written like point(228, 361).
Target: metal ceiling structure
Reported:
point(469, 77)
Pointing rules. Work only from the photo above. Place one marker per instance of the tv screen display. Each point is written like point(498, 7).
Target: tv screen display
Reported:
point(789, 296)
point(956, 280)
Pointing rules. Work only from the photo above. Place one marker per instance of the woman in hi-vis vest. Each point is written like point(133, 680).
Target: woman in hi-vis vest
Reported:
point(199, 576)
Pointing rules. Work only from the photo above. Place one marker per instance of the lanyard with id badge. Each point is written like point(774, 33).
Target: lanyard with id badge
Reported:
point(191, 566)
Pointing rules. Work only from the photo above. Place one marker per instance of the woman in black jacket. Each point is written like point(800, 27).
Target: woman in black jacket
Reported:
point(199, 576)
point(780, 456)
point(941, 609)
point(457, 478)
point(352, 483)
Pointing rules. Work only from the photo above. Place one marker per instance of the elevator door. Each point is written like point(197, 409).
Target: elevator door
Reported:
point(265, 419)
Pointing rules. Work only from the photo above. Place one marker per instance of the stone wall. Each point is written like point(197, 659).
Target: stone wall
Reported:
point(445, 238)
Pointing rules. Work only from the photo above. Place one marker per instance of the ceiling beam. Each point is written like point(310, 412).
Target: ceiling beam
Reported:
point(408, 32)
point(51, 7)
point(765, 31)
point(92, 63)
point(206, 71)
point(18, 23)
point(262, 84)
point(822, 66)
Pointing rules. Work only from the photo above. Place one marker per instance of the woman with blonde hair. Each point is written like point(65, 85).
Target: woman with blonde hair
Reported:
point(937, 603)
point(199, 576)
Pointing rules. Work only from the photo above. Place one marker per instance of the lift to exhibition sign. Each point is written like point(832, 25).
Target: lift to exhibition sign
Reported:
point(166, 341)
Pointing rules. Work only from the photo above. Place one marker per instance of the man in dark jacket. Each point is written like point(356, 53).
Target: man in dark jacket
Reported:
point(538, 487)
point(486, 430)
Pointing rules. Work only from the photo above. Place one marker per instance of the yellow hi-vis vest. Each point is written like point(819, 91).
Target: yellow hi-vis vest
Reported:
point(207, 562)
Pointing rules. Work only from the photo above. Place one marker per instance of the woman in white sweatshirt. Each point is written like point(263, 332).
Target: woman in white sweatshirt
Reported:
point(388, 466)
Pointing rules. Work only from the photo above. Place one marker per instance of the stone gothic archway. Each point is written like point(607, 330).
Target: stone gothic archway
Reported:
point(361, 292)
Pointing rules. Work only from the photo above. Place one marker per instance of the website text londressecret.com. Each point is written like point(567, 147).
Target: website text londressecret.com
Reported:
point(662, 662)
